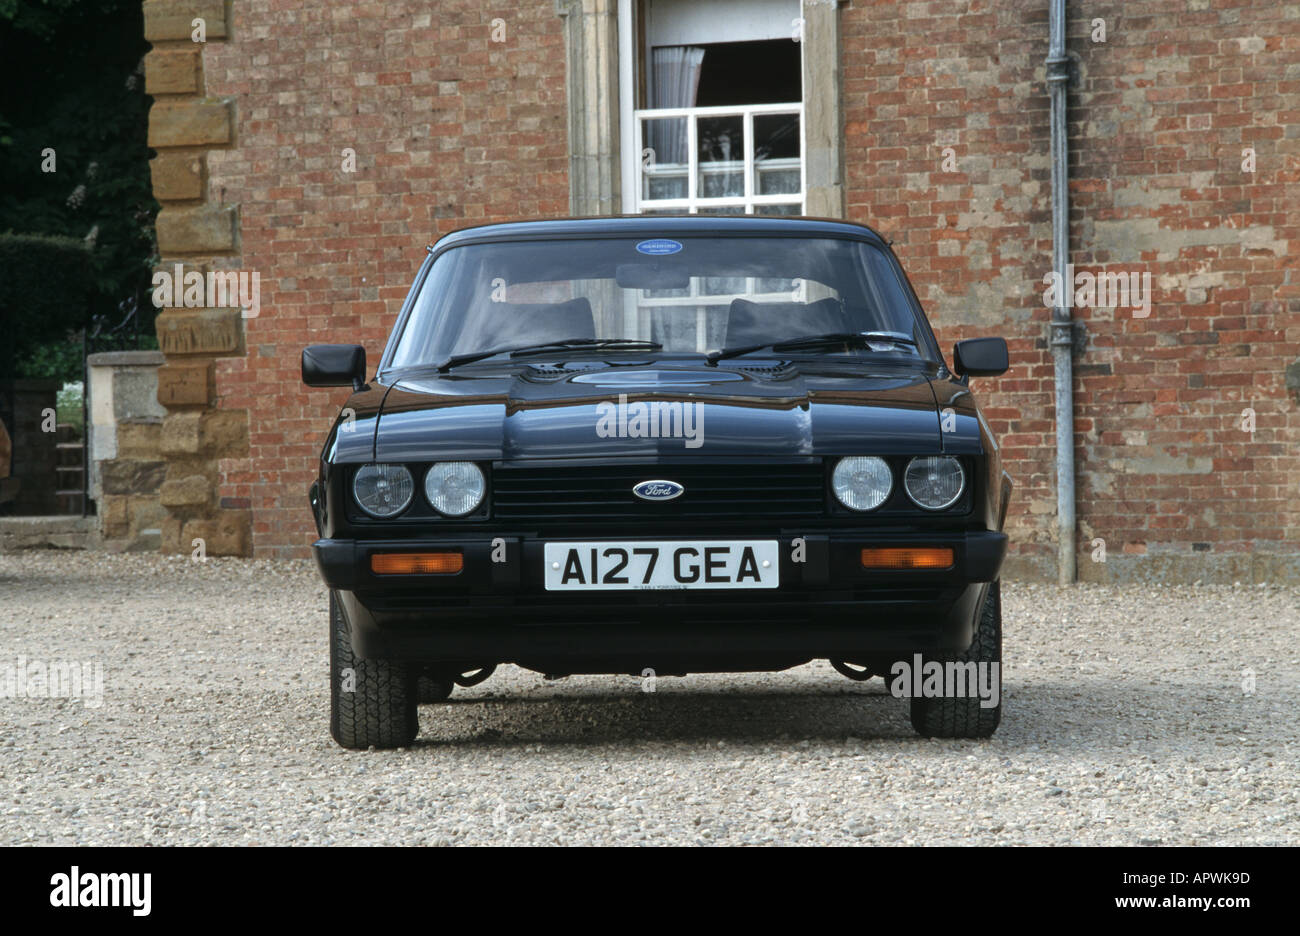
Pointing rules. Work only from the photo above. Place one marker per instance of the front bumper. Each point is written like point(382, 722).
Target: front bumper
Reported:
point(827, 606)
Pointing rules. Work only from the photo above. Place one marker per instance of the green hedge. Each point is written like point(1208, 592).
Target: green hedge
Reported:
point(46, 285)
point(45, 294)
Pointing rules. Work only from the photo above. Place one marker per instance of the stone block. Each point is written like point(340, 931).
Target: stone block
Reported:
point(177, 176)
point(198, 122)
point(172, 71)
point(174, 19)
point(114, 518)
point(191, 491)
point(186, 384)
point(218, 332)
point(203, 229)
point(180, 434)
point(131, 476)
point(139, 439)
point(229, 533)
point(224, 433)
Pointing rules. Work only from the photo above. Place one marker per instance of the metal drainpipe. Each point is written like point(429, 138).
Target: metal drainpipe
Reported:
point(1062, 329)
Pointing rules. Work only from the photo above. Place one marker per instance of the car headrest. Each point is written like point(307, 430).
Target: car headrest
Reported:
point(755, 322)
point(511, 323)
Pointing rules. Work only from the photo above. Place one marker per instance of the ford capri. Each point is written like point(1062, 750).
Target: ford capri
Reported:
point(656, 446)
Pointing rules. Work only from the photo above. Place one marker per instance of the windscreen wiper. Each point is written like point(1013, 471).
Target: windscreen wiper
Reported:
point(564, 344)
point(858, 339)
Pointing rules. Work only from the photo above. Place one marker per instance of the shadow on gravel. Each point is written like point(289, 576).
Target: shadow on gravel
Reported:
point(1096, 712)
point(676, 715)
point(1116, 712)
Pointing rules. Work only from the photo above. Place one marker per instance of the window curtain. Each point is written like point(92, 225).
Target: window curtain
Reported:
point(674, 82)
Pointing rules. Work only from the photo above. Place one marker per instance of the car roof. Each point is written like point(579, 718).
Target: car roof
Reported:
point(641, 225)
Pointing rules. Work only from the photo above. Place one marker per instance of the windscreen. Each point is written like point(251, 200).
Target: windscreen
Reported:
point(689, 294)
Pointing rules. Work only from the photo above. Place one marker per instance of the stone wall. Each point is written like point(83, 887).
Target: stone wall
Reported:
point(127, 466)
point(198, 228)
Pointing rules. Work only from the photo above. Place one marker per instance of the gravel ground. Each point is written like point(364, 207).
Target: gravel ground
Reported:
point(1128, 721)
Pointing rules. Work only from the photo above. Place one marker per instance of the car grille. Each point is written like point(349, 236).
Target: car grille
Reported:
point(713, 491)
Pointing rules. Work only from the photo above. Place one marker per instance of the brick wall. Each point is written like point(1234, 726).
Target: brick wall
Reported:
point(1159, 119)
point(451, 128)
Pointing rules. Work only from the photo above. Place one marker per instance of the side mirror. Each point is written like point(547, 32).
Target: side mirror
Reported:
point(334, 365)
point(980, 357)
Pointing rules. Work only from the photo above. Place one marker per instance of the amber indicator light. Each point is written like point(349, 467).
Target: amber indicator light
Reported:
point(908, 557)
point(417, 563)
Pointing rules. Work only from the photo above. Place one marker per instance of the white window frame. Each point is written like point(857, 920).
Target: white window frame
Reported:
point(693, 202)
point(632, 143)
point(703, 303)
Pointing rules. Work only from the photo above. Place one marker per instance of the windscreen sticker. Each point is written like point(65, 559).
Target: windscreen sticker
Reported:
point(658, 247)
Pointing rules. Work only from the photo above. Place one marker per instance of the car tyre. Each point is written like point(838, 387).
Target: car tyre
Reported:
point(372, 702)
point(965, 717)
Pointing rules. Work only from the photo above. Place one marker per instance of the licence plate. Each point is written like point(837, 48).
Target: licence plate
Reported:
point(669, 564)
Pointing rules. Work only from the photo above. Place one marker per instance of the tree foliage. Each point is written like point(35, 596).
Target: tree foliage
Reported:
point(73, 77)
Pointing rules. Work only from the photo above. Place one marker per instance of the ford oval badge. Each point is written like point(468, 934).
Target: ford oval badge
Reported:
point(658, 490)
point(659, 246)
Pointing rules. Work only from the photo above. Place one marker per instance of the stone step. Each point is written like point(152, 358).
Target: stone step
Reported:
point(57, 532)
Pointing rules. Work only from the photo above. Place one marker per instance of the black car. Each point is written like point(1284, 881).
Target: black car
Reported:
point(660, 445)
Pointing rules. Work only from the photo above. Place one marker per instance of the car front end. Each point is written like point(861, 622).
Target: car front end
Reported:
point(660, 469)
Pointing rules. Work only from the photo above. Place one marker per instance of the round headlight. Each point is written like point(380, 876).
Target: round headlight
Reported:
point(862, 482)
point(383, 490)
point(455, 488)
point(934, 482)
